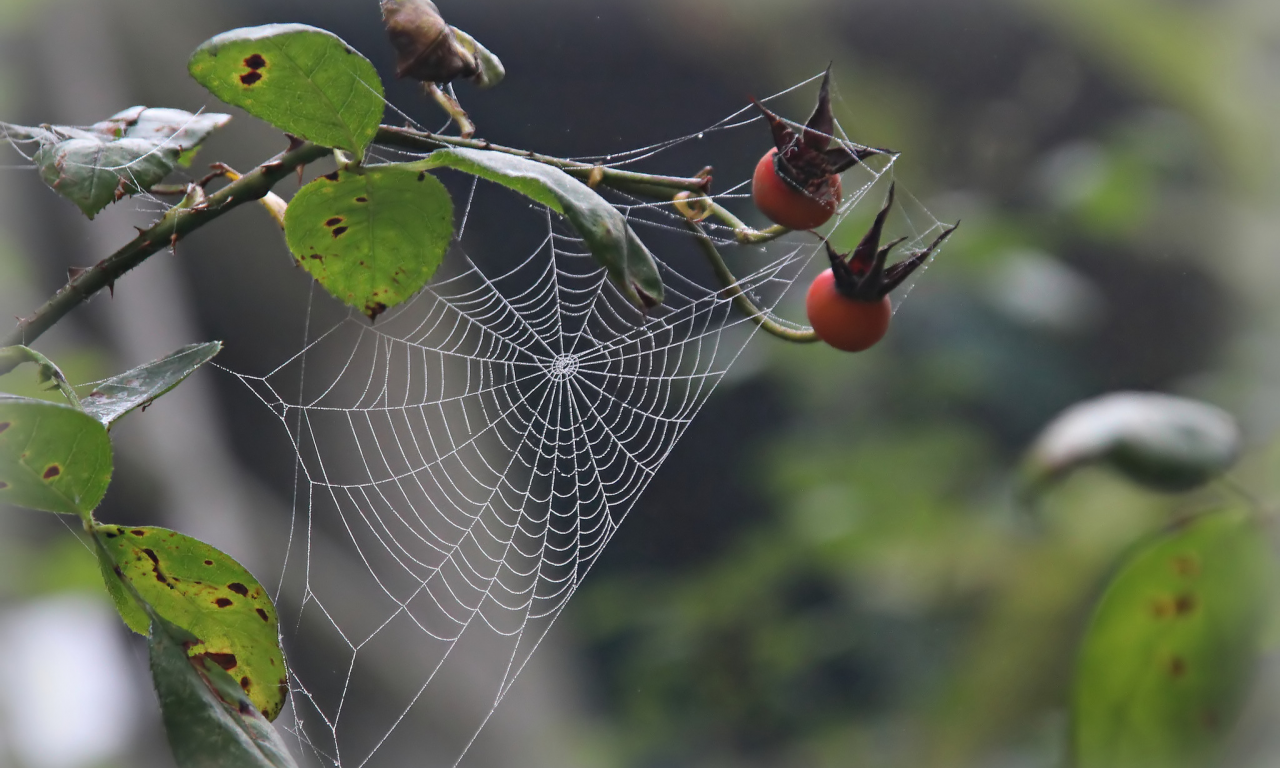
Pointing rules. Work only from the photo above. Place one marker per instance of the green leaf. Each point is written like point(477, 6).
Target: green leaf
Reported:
point(125, 154)
point(1160, 441)
point(301, 79)
point(93, 173)
point(52, 457)
point(607, 234)
point(12, 357)
point(120, 394)
point(209, 721)
point(372, 238)
point(206, 592)
point(1170, 651)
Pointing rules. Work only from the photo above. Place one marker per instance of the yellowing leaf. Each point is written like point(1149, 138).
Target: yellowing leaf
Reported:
point(373, 238)
point(207, 593)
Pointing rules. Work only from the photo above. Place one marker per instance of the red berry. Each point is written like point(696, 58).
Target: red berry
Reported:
point(797, 184)
point(847, 324)
point(786, 204)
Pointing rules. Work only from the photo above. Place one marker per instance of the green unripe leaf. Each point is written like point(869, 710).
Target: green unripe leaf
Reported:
point(53, 457)
point(1170, 651)
point(303, 80)
point(1160, 441)
point(208, 719)
point(139, 386)
point(372, 238)
point(607, 234)
point(207, 593)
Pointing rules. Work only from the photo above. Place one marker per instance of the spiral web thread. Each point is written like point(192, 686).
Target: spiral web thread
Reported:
point(462, 464)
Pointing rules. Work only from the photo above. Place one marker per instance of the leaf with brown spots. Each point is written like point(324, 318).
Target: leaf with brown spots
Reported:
point(139, 386)
point(1171, 650)
point(205, 592)
point(52, 457)
point(303, 80)
point(372, 239)
point(209, 713)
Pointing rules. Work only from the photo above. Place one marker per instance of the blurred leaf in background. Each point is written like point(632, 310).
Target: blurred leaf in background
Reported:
point(1172, 647)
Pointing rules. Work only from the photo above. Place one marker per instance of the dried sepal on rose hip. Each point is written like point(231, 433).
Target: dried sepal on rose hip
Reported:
point(430, 50)
point(848, 304)
point(797, 183)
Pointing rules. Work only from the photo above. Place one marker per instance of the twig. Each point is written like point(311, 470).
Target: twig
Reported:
point(803, 335)
point(175, 224)
point(743, 233)
point(455, 110)
point(643, 184)
point(647, 184)
point(169, 190)
point(256, 184)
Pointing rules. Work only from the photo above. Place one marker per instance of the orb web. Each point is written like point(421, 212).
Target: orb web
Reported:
point(462, 463)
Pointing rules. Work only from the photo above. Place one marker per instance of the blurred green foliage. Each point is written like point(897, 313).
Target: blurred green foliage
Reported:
point(891, 606)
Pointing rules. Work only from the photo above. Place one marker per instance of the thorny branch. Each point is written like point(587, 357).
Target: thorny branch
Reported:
point(175, 225)
point(256, 184)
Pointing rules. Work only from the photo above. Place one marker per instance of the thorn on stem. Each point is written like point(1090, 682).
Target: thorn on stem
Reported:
point(219, 169)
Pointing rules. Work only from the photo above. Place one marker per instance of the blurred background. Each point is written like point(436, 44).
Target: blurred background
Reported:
point(828, 571)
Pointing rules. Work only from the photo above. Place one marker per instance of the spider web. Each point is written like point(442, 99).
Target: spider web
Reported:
point(472, 454)
point(462, 464)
